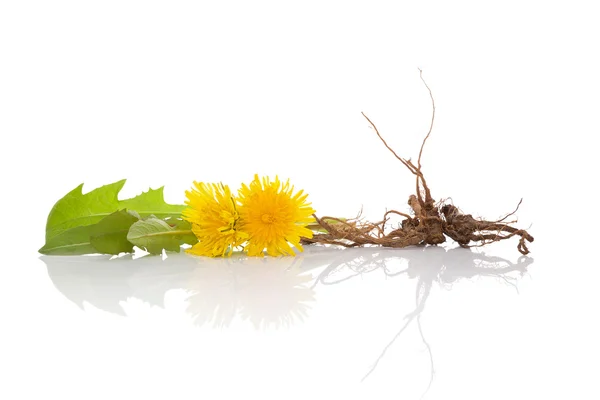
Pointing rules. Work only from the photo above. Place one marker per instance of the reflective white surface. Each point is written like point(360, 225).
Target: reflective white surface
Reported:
point(434, 323)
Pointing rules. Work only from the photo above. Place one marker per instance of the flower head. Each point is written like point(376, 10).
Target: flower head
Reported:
point(273, 217)
point(214, 217)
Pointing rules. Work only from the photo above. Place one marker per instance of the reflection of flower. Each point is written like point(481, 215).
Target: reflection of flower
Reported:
point(213, 215)
point(273, 217)
point(212, 289)
point(265, 291)
point(274, 294)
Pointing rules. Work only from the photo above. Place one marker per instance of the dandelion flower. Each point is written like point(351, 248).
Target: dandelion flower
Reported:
point(214, 217)
point(273, 217)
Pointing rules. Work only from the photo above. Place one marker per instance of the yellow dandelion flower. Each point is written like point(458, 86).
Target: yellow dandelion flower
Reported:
point(273, 217)
point(214, 217)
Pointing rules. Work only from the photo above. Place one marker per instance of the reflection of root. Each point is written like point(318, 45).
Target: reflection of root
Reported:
point(348, 269)
point(427, 265)
point(385, 349)
point(432, 368)
point(429, 224)
point(422, 293)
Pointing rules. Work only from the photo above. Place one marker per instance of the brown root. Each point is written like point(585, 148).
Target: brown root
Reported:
point(430, 223)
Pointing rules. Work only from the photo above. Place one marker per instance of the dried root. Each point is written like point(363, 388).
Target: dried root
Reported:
point(430, 222)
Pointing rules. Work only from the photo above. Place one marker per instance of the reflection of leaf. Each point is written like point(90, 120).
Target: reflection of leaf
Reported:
point(106, 284)
point(78, 209)
point(108, 236)
point(154, 235)
point(94, 280)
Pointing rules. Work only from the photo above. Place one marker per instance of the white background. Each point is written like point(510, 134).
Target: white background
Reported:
point(164, 93)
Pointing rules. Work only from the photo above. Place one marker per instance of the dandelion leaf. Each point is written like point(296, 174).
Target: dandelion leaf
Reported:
point(152, 203)
point(109, 236)
point(76, 209)
point(154, 235)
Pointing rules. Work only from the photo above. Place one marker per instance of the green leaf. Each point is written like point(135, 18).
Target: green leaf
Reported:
point(179, 224)
point(74, 241)
point(108, 236)
point(76, 209)
point(153, 203)
point(154, 235)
